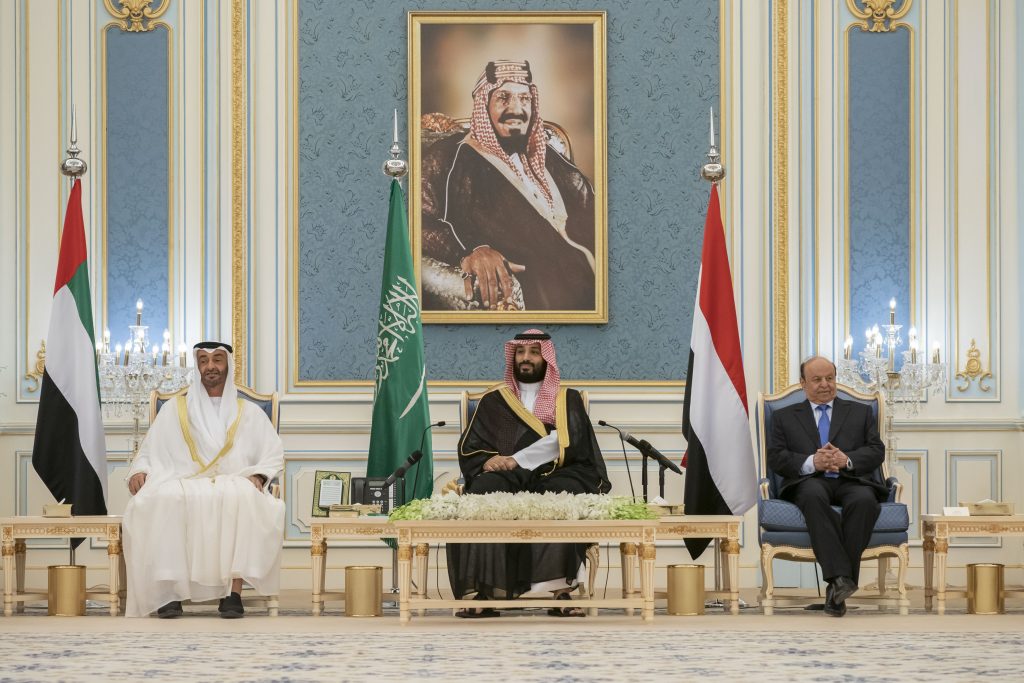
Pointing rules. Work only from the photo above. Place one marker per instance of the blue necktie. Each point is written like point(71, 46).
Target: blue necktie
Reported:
point(823, 425)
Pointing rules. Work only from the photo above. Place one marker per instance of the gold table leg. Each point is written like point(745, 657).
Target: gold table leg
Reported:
point(114, 559)
point(941, 555)
point(627, 555)
point(318, 561)
point(8, 555)
point(404, 579)
point(928, 548)
point(20, 550)
point(647, 554)
point(731, 549)
point(422, 564)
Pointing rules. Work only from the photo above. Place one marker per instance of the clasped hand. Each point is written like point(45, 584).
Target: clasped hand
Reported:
point(500, 463)
point(828, 458)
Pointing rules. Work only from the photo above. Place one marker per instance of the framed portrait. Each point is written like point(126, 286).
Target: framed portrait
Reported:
point(508, 166)
point(329, 488)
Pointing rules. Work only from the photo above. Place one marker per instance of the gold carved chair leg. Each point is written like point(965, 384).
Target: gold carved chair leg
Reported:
point(767, 581)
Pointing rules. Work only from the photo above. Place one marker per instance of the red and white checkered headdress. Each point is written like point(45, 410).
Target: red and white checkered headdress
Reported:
point(544, 408)
point(482, 130)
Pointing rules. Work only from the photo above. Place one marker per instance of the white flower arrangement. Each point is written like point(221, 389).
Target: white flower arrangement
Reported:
point(523, 506)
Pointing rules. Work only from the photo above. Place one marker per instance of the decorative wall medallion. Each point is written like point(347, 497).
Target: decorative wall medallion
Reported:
point(36, 374)
point(973, 371)
point(133, 12)
point(878, 12)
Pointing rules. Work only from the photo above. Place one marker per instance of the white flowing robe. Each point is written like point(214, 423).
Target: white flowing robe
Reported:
point(187, 532)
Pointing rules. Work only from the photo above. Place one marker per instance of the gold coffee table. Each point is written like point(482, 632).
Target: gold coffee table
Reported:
point(422, 532)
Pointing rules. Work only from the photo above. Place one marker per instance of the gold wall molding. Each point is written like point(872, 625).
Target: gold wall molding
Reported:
point(133, 13)
point(878, 12)
point(780, 266)
point(239, 251)
point(35, 375)
point(973, 371)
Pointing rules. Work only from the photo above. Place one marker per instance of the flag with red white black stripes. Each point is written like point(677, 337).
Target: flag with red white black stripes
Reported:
point(721, 476)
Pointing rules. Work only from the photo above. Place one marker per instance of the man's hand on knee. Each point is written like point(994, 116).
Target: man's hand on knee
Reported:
point(258, 481)
point(500, 463)
point(136, 482)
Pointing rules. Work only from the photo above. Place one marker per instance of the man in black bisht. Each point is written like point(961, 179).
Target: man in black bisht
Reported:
point(527, 434)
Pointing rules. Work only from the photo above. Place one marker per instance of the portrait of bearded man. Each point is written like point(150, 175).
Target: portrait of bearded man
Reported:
point(504, 205)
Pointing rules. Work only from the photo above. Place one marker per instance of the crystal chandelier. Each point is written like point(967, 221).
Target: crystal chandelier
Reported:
point(876, 371)
point(130, 373)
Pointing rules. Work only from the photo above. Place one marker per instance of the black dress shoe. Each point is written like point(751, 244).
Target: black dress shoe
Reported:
point(170, 610)
point(842, 588)
point(833, 608)
point(231, 607)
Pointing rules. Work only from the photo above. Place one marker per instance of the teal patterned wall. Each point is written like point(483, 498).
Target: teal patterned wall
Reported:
point(879, 134)
point(663, 74)
point(136, 135)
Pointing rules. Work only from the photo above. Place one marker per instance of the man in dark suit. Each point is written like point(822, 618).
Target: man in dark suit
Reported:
point(827, 449)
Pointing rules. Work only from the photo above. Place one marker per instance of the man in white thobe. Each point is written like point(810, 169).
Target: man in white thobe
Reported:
point(201, 520)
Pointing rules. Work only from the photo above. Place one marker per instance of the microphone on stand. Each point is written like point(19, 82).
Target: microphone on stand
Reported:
point(625, 459)
point(423, 437)
point(413, 458)
point(644, 447)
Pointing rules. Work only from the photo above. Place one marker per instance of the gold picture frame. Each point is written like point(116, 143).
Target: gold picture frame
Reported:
point(524, 195)
point(319, 477)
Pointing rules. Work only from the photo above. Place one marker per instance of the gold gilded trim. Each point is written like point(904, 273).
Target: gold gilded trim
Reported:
point(878, 12)
point(239, 134)
point(561, 425)
point(35, 375)
point(974, 370)
point(186, 434)
point(134, 12)
point(597, 20)
point(780, 266)
point(522, 413)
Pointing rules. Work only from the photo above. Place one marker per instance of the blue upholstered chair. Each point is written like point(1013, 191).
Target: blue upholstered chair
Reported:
point(268, 403)
point(783, 531)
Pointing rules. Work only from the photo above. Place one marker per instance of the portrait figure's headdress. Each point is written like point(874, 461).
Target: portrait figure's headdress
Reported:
point(495, 74)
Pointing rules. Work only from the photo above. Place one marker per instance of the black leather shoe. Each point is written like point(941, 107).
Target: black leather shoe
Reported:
point(832, 607)
point(231, 607)
point(170, 610)
point(842, 588)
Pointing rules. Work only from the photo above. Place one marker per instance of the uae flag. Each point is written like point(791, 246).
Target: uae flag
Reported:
point(721, 478)
point(69, 452)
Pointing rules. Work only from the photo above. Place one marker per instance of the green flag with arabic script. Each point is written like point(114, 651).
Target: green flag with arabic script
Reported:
point(400, 409)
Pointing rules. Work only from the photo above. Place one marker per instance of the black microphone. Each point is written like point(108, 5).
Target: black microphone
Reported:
point(403, 468)
point(413, 458)
point(644, 447)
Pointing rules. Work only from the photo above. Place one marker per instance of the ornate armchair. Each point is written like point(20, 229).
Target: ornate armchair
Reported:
point(783, 531)
point(467, 407)
point(268, 403)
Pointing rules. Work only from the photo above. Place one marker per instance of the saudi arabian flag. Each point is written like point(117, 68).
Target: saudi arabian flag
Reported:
point(70, 453)
point(400, 409)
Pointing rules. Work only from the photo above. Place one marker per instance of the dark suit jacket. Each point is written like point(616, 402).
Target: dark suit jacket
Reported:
point(853, 430)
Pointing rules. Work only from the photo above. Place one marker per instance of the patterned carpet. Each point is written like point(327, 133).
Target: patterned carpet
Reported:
point(527, 647)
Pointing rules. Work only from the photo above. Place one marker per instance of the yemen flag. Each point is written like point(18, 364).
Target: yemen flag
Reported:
point(721, 477)
point(70, 451)
point(400, 410)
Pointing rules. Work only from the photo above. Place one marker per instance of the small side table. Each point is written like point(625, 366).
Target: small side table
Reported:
point(936, 532)
point(14, 531)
